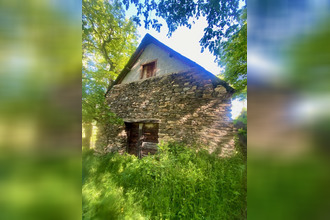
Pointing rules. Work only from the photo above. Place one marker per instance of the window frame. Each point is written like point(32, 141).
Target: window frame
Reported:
point(142, 75)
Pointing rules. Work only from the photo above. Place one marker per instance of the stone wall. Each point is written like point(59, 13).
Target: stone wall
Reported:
point(191, 107)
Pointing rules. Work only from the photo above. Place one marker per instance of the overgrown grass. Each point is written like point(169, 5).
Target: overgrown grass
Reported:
point(177, 183)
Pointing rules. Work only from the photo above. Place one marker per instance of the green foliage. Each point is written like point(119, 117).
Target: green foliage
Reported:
point(233, 56)
point(39, 186)
point(225, 35)
point(307, 59)
point(241, 122)
point(295, 188)
point(241, 137)
point(109, 39)
point(101, 197)
point(176, 183)
point(220, 15)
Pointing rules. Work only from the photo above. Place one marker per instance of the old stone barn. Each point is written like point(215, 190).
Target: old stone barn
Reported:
point(164, 96)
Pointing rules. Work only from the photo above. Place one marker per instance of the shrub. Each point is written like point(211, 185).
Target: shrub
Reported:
point(177, 183)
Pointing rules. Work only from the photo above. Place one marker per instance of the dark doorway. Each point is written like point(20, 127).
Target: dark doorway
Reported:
point(132, 130)
point(142, 138)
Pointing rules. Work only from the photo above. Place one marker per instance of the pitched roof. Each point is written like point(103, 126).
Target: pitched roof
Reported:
point(148, 39)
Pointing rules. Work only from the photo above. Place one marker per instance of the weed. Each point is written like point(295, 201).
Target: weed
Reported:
point(177, 183)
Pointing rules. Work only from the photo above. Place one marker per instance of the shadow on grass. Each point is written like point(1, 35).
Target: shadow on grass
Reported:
point(176, 183)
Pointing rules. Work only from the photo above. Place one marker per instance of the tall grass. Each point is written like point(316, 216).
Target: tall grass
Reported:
point(177, 183)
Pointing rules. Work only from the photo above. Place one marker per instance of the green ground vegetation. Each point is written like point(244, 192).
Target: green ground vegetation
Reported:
point(177, 183)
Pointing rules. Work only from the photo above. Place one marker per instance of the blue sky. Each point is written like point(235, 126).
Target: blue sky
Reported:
point(186, 42)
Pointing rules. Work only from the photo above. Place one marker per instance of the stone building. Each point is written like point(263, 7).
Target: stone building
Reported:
point(164, 96)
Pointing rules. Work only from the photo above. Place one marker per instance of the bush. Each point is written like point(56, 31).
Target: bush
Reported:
point(177, 183)
point(241, 138)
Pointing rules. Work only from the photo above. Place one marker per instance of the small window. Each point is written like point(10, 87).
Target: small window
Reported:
point(148, 70)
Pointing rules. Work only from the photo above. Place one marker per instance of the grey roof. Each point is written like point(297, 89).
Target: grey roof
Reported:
point(148, 39)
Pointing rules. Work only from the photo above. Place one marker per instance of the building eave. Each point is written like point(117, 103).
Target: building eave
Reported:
point(148, 39)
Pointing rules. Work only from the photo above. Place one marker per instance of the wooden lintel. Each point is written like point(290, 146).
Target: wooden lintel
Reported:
point(151, 120)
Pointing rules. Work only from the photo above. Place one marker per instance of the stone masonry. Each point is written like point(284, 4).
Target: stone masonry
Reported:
point(190, 107)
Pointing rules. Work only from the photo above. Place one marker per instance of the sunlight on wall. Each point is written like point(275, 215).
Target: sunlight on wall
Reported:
point(94, 136)
point(83, 135)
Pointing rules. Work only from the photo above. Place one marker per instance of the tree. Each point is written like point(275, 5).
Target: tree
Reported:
point(241, 124)
point(233, 56)
point(224, 36)
point(108, 40)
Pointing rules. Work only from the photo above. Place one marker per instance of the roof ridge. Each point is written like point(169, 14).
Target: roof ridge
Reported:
point(148, 39)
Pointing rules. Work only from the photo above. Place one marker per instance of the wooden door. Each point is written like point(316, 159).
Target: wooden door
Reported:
point(149, 139)
point(142, 138)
